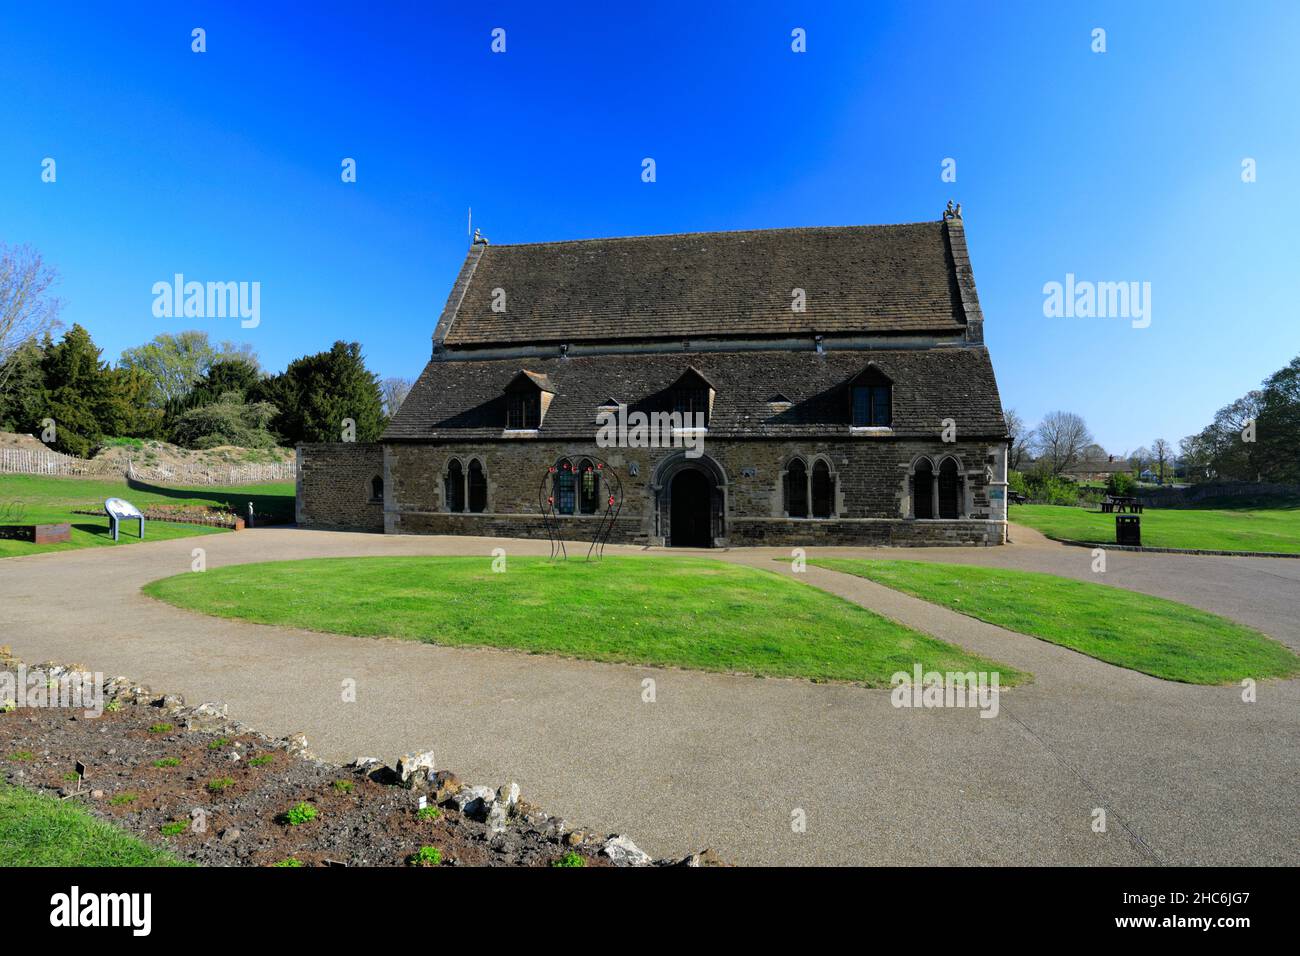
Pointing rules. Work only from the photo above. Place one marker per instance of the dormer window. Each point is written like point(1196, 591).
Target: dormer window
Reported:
point(692, 398)
point(872, 399)
point(523, 410)
point(527, 398)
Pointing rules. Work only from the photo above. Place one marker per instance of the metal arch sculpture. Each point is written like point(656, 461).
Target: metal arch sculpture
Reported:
point(550, 515)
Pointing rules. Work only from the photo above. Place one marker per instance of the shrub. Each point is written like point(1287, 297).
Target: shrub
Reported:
point(289, 862)
point(168, 762)
point(428, 813)
point(425, 856)
point(1121, 483)
point(174, 828)
point(1050, 490)
point(122, 799)
point(261, 761)
point(1016, 483)
point(22, 756)
point(218, 784)
point(218, 743)
point(343, 786)
point(301, 813)
point(160, 729)
point(570, 859)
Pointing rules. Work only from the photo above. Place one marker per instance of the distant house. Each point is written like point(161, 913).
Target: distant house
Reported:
point(1096, 469)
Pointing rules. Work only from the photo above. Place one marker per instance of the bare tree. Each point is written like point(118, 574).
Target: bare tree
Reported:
point(27, 310)
point(1161, 451)
point(1021, 439)
point(394, 392)
point(1062, 437)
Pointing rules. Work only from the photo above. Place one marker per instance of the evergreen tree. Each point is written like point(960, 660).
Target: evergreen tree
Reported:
point(80, 393)
point(317, 392)
point(22, 394)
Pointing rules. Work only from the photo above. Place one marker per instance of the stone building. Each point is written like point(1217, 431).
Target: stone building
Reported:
point(843, 391)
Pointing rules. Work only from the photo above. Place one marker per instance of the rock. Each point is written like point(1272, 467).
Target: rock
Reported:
point(508, 794)
point(207, 716)
point(169, 702)
point(703, 858)
point(497, 816)
point(445, 785)
point(296, 744)
point(474, 801)
point(230, 834)
point(97, 794)
point(234, 757)
point(415, 768)
point(623, 852)
point(573, 837)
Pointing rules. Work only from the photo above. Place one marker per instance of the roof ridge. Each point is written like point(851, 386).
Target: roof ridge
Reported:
point(715, 232)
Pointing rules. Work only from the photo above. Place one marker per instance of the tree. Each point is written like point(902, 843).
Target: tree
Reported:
point(27, 310)
point(81, 394)
point(1221, 449)
point(1139, 457)
point(1161, 451)
point(1277, 428)
point(22, 389)
point(174, 362)
point(394, 391)
point(1062, 436)
point(133, 410)
point(1022, 439)
point(316, 393)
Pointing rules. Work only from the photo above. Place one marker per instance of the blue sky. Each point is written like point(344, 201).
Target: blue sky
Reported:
point(1115, 166)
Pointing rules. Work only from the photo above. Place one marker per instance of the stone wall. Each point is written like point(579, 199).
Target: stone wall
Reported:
point(873, 499)
point(335, 486)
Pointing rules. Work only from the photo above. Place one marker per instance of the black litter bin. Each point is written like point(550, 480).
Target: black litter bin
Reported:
point(1128, 529)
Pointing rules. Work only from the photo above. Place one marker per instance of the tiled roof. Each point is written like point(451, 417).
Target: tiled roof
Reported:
point(866, 279)
point(464, 400)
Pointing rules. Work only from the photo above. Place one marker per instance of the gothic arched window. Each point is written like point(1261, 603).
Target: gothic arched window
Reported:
point(564, 487)
point(588, 487)
point(477, 487)
point(949, 489)
point(796, 489)
point(923, 489)
point(823, 490)
point(455, 487)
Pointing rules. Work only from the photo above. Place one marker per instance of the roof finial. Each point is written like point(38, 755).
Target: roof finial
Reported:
point(479, 238)
point(952, 212)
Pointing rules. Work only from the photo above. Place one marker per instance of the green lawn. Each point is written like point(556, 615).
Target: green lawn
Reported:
point(686, 612)
point(48, 500)
point(1275, 528)
point(40, 830)
point(1143, 633)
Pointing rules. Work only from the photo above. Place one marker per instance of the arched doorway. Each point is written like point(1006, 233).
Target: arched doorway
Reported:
point(691, 498)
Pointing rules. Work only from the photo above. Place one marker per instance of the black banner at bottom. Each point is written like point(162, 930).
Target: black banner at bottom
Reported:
point(170, 906)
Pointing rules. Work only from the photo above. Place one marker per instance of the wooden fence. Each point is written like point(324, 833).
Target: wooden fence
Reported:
point(41, 461)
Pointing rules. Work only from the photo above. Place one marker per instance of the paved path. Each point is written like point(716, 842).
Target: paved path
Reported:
point(1186, 774)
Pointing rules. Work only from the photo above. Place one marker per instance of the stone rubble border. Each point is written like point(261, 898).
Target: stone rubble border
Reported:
point(412, 771)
